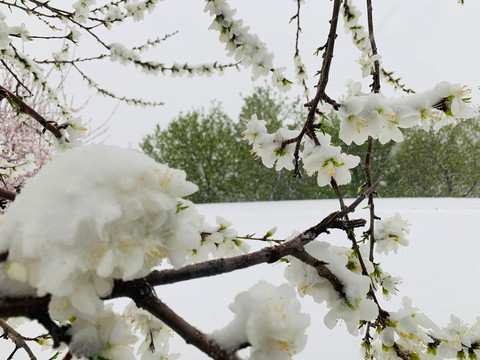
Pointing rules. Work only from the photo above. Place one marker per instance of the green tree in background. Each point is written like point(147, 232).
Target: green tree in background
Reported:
point(203, 144)
point(436, 164)
point(209, 147)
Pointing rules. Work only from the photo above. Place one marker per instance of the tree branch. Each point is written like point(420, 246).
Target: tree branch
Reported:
point(371, 36)
point(7, 194)
point(23, 306)
point(144, 297)
point(308, 127)
point(266, 255)
point(24, 108)
point(323, 271)
point(17, 339)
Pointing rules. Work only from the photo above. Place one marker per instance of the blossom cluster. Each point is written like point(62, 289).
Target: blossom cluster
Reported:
point(155, 333)
point(242, 45)
point(269, 319)
point(219, 241)
point(82, 10)
point(320, 157)
point(412, 332)
point(373, 115)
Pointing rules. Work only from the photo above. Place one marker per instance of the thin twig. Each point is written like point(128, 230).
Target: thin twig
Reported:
point(297, 38)
point(395, 82)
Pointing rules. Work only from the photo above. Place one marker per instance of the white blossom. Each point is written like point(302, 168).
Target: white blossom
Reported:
point(329, 162)
point(220, 242)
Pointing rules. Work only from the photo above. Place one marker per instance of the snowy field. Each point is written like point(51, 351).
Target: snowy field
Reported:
point(440, 268)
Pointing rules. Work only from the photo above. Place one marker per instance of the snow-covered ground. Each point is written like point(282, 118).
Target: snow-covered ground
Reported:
point(439, 268)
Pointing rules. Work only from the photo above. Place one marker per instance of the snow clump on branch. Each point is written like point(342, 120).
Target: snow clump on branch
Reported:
point(115, 215)
point(94, 214)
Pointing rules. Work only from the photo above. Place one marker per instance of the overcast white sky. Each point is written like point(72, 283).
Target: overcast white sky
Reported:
point(424, 42)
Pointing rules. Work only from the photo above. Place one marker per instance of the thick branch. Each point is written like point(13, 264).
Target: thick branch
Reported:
point(266, 255)
point(7, 194)
point(141, 290)
point(29, 306)
point(323, 271)
point(144, 297)
point(23, 306)
point(221, 266)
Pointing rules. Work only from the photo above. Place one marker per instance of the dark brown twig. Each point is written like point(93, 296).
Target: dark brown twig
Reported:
point(371, 36)
point(144, 297)
point(309, 128)
point(323, 271)
point(395, 82)
point(24, 108)
point(375, 89)
point(7, 194)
